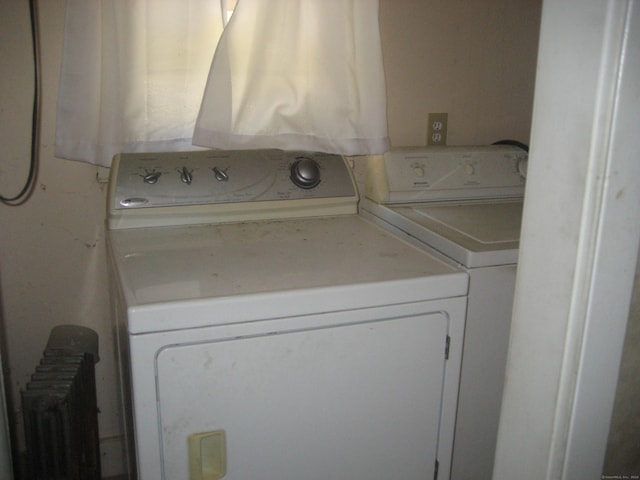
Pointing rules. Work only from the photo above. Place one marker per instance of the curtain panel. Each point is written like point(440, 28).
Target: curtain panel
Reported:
point(298, 74)
point(132, 75)
point(290, 74)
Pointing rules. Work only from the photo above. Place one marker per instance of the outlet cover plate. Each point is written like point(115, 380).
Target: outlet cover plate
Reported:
point(437, 129)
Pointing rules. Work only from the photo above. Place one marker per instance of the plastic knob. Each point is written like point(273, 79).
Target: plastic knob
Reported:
point(151, 178)
point(186, 175)
point(221, 175)
point(305, 173)
point(522, 167)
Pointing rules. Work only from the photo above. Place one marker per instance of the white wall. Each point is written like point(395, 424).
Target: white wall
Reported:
point(51, 248)
point(474, 60)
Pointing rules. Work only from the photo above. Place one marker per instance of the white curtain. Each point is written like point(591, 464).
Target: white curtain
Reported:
point(290, 74)
point(297, 74)
point(132, 77)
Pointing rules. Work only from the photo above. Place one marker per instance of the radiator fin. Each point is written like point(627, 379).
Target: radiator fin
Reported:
point(60, 409)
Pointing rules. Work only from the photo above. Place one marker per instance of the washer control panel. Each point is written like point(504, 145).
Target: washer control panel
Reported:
point(447, 173)
point(223, 185)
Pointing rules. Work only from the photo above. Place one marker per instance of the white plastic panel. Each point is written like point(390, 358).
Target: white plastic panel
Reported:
point(360, 401)
point(217, 186)
point(142, 353)
point(473, 234)
point(446, 173)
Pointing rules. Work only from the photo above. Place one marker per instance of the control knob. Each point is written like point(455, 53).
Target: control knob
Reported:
point(418, 170)
point(151, 177)
point(221, 175)
point(522, 165)
point(305, 173)
point(186, 175)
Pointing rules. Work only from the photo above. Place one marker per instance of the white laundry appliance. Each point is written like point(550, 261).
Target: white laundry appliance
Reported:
point(267, 331)
point(464, 203)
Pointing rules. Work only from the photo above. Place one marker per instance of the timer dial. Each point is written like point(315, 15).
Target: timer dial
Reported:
point(305, 173)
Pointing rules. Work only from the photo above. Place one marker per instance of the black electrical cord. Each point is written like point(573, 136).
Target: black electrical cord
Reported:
point(514, 143)
point(26, 190)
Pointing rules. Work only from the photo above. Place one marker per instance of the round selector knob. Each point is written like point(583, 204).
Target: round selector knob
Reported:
point(418, 170)
point(469, 169)
point(305, 172)
point(522, 165)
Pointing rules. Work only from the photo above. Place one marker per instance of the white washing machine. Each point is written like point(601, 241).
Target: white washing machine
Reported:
point(267, 331)
point(464, 203)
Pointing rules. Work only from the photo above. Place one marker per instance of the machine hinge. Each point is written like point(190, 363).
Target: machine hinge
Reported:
point(435, 470)
point(446, 348)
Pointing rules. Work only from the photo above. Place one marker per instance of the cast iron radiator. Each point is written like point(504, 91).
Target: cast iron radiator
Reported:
point(60, 408)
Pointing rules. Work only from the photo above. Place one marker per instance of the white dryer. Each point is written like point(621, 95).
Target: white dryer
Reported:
point(465, 204)
point(267, 331)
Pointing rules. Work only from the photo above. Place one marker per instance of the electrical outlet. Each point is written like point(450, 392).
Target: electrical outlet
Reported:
point(437, 129)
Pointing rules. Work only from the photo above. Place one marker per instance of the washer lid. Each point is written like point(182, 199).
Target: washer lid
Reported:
point(474, 234)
